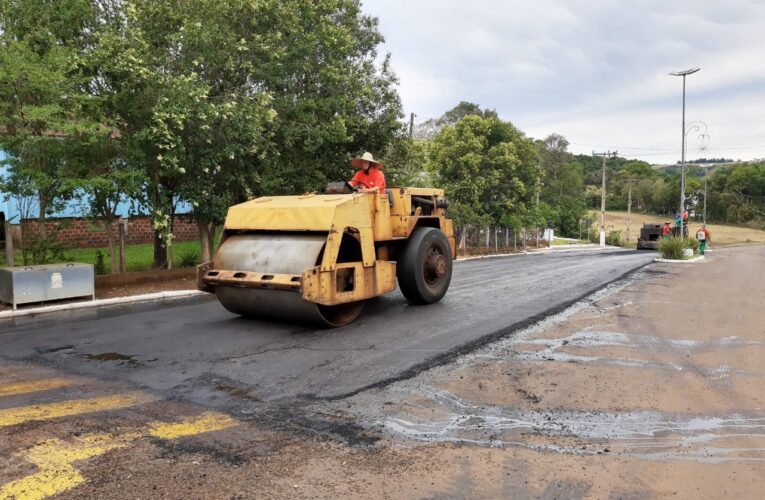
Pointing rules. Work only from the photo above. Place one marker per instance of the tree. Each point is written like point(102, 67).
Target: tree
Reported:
point(332, 98)
point(105, 181)
point(44, 116)
point(562, 190)
point(553, 155)
point(739, 193)
point(221, 101)
point(178, 79)
point(488, 168)
point(406, 162)
point(430, 128)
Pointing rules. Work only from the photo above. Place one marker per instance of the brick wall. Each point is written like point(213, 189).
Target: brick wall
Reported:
point(75, 232)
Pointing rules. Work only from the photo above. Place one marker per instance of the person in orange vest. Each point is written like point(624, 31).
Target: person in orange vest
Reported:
point(704, 238)
point(666, 230)
point(370, 177)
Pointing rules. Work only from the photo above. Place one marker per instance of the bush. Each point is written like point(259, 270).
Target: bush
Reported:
point(44, 249)
point(99, 267)
point(674, 247)
point(614, 238)
point(693, 244)
point(190, 259)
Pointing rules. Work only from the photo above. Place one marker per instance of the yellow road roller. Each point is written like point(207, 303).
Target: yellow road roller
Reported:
point(318, 257)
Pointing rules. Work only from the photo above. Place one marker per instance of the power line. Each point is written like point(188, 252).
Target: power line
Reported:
point(744, 139)
point(620, 147)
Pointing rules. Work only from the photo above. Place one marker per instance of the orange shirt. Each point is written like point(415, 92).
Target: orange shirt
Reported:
point(374, 178)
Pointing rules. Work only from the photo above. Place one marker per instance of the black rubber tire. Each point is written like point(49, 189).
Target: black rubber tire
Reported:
point(411, 267)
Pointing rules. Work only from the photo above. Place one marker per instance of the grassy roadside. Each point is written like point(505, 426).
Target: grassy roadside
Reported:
point(567, 241)
point(138, 257)
point(722, 234)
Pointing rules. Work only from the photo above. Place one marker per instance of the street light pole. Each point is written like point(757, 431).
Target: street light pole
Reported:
point(682, 151)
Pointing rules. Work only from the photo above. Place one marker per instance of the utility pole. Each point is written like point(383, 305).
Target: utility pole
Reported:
point(411, 126)
point(629, 210)
point(605, 155)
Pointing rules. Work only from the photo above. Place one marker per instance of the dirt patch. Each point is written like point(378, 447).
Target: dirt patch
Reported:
point(108, 292)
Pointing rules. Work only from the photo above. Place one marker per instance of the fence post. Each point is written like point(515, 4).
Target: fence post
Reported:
point(8, 244)
point(488, 237)
point(121, 237)
point(525, 238)
point(507, 237)
point(536, 229)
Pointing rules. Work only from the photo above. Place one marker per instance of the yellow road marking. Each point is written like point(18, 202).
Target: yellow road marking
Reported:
point(55, 458)
point(207, 422)
point(15, 416)
point(12, 388)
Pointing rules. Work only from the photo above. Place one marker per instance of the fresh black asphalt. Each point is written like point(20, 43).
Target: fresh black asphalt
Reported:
point(195, 350)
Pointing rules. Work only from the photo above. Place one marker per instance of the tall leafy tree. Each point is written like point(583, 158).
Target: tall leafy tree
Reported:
point(221, 100)
point(562, 191)
point(178, 80)
point(488, 168)
point(44, 115)
point(332, 97)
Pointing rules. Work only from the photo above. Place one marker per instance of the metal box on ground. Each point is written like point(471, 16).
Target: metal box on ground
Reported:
point(26, 284)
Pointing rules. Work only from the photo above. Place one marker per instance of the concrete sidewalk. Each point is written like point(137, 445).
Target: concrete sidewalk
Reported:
point(652, 387)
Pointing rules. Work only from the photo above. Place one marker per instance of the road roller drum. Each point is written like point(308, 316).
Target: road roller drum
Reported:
point(317, 258)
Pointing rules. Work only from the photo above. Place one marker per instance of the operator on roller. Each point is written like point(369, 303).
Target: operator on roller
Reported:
point(370, 178)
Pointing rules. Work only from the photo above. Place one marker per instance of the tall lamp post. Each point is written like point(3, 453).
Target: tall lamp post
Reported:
point(682, 149)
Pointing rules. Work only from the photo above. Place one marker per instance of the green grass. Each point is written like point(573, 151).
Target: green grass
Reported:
point(566, 242)
point(137, 257)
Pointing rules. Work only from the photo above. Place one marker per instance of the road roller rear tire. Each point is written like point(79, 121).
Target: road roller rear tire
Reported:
point(424, 268)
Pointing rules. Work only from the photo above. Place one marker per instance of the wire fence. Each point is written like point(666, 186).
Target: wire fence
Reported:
point(473, 240)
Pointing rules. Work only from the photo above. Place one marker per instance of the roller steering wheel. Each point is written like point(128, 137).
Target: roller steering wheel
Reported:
point(356, 188)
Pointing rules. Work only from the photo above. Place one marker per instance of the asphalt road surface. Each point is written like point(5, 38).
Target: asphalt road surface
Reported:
point(196, 351)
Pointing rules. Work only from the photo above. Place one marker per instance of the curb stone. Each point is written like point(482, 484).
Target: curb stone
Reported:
point(560, 249)
point(674, 261)
point(159, 296)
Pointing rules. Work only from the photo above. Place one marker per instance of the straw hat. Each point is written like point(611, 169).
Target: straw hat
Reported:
point(359, 162)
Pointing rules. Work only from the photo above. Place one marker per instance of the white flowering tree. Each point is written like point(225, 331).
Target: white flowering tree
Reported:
point(177, 77)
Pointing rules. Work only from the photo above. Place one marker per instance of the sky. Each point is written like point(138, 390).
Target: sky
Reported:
point(594, 71)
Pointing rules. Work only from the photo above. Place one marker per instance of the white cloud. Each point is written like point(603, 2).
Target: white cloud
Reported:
point(592, 70)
